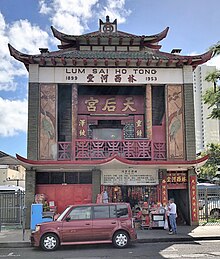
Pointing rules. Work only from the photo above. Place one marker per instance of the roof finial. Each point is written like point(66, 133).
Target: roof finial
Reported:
point(107, 18)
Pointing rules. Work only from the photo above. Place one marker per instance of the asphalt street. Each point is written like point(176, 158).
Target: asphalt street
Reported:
point(198, 249)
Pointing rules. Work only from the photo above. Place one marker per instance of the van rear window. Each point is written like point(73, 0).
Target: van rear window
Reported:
point(122, 211)
point(111, 211)
point(104, 212)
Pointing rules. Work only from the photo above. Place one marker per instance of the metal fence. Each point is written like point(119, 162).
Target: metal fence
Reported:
point(209, 204)
point(12, 207)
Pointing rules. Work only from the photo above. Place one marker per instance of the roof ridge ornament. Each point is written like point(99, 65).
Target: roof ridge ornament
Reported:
point(107, 26)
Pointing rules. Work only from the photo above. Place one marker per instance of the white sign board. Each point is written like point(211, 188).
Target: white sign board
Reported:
point(129, 177)
point(129, 76)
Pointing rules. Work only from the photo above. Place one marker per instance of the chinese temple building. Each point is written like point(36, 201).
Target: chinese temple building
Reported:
point(108, 111)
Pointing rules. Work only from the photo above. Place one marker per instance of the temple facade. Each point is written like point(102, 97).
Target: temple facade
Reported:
point(108, 111)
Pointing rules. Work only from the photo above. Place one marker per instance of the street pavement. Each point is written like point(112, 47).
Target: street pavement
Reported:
point(16, 237)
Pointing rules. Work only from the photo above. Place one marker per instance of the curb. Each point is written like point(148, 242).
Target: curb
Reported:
point(15, 244)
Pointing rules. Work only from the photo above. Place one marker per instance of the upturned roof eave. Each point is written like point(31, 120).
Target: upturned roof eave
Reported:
point(176, 164)
point(156, 55)
point(73, 38)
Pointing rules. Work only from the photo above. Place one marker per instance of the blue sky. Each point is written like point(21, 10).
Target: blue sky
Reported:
point(25, 24)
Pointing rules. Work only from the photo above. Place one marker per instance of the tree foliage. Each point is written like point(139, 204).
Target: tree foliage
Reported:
point(208, 171)
point(212, 96)
point(213, 77)
point(216, 49)
point(212, 99)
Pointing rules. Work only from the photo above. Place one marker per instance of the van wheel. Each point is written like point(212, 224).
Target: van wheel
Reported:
point(215, 213)
point(49, 242)
point(121, 239)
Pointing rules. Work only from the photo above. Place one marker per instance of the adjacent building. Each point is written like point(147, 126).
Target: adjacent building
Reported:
point(12, 173)
point(109, 111)
point(207, 130)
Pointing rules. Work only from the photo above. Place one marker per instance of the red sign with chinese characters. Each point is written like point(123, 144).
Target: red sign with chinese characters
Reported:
point(176, 177)
point(108, 104)
point(164, 194)
point(194, 212)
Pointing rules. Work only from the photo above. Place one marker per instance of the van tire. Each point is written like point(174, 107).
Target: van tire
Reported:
point(121, 239)
point(49, 242)
point(215, 213)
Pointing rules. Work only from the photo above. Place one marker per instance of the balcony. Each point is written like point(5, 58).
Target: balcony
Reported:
point(102, 149)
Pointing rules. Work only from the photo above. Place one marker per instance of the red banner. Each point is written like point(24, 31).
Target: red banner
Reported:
point(194, 212)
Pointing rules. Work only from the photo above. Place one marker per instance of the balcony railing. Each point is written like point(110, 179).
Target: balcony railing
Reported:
point(102, 149)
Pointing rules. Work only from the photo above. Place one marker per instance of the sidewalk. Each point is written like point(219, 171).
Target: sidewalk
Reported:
point(15, 238)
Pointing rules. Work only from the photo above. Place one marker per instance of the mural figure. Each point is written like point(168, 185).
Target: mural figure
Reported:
point(48, 122)
point(175, 123)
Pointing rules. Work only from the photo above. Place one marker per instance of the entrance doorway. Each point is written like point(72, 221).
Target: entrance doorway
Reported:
point(181, 199)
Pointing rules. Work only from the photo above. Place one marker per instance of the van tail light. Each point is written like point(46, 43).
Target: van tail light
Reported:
point(132, 223)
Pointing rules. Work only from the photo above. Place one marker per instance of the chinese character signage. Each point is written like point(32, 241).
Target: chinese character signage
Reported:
point(164, 193)
point(82, 126)
point(194, 212)
point(129, 177)
point(176, 177)
point(139, 126)
point(105, 104)
point(92, 75)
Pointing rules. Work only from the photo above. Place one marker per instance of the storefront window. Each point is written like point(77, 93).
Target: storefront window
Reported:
point(85, 178)
point(43, 178)
point(133, 194)
point(57, 178)
point(71, 178)
point(64, 177)
point(107, 134)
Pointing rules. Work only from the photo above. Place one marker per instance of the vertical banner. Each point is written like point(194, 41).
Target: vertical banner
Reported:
point(82, 126)
point(163, 186)
point(148, 112)
point(175, 125)
point(164, 194)
point(74, 110)
point(48, 146)
point(139, 126)
point(194, 212)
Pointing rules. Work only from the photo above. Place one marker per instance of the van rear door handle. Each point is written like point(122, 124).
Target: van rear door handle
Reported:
point(113, 223)
point(87, 224)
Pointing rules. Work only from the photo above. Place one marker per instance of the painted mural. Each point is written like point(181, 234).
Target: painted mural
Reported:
point(148, 112)
point(175, 122)
point(48, 147)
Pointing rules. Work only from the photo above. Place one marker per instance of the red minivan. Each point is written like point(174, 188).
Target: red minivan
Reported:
point(87, 224)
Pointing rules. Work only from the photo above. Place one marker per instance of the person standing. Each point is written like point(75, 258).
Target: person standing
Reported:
point(168, 217)
point(172, 216)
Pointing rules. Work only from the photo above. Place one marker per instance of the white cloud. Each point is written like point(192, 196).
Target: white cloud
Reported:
point(73, 16)
point(69, 16)
point(27, 37)
point(116, 10)
point(13, 117)
point(24, 37)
